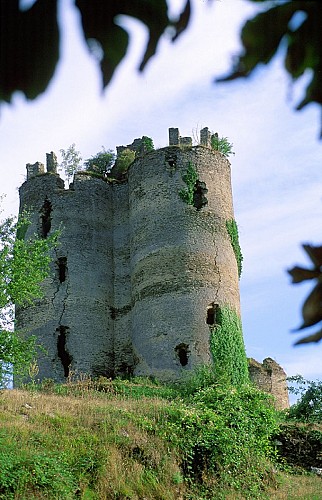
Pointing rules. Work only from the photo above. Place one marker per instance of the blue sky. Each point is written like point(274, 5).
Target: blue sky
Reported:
point(276, 172)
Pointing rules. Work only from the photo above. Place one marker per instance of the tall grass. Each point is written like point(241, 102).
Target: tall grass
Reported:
point(135, 440)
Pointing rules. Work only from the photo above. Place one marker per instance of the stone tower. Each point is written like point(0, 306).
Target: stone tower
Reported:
point(139, 271)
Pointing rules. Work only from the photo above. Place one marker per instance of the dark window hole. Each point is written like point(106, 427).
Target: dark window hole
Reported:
point(199, 195)
point(182, 351)
point(45, 218)
point(211, 314)
point(63, 353)
point(62, 269)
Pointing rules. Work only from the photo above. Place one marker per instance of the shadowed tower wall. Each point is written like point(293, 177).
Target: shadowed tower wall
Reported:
point(137, 269)
point(73, 320)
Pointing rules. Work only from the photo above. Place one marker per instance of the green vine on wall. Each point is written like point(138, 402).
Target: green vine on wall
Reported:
point(234, 238)
point(190, 178)
point(228, 349)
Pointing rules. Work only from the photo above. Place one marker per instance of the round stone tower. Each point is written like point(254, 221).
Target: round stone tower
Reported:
point(182, 262)
point(72, 320)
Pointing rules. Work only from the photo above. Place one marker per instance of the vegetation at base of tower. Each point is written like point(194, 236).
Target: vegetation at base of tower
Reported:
point(24, 264)
point(227, 348)
point(135, 439)
point(232, 229)
point(190, 178)
point(222, 145)
point(101, 163)
point(71, 161)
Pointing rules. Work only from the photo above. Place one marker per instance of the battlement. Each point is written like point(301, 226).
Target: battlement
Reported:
point(38, 168)
point(176, 140)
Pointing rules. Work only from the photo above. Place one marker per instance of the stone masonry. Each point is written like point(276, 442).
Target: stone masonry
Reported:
point(270, 377)
point(137, 269)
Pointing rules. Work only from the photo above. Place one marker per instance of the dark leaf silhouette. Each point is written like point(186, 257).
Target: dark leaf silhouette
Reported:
point(312, 307)
point(29, 40)
point(262, 36)
point(300, 274)
point(29, 47)
point(315, 254)
point(315, 337)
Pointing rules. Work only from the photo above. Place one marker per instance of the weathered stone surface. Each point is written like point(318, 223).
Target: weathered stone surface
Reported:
point(270, 377)
point(137, 267)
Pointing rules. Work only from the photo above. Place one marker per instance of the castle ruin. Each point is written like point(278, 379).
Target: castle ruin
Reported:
point(139, 272)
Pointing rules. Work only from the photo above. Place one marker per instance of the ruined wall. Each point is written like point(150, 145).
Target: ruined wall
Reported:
point(137, 269)
point(270, 377)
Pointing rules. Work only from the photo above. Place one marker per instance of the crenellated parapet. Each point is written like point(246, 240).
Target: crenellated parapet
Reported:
point(38, 168)
point(205, 138)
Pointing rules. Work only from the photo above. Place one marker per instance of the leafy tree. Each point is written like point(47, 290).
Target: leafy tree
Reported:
point(24, 264)
point(309, 406)
point(101, 163)
point(71, 161)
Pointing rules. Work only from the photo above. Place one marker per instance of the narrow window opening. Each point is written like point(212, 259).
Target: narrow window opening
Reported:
point(171, 163)
point(199, 195)
point(63, 353)
point(62, 269)
point(45, 218)
point(182, 351)
point(211, 314)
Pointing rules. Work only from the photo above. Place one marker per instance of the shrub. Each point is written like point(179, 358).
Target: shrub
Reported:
point(222, 144)
point(309, 406)
point(123, 161)
point(225, 433)
point(101, 163)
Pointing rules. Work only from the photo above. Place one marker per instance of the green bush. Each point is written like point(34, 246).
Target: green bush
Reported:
point(147, 144)
point(123, 161)
point(300, 445)
point(101, 163)
point(309, 406)
point(222, 144)
point(223, 432)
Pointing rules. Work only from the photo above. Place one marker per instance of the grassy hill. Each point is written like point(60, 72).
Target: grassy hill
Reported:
point(142, 440)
